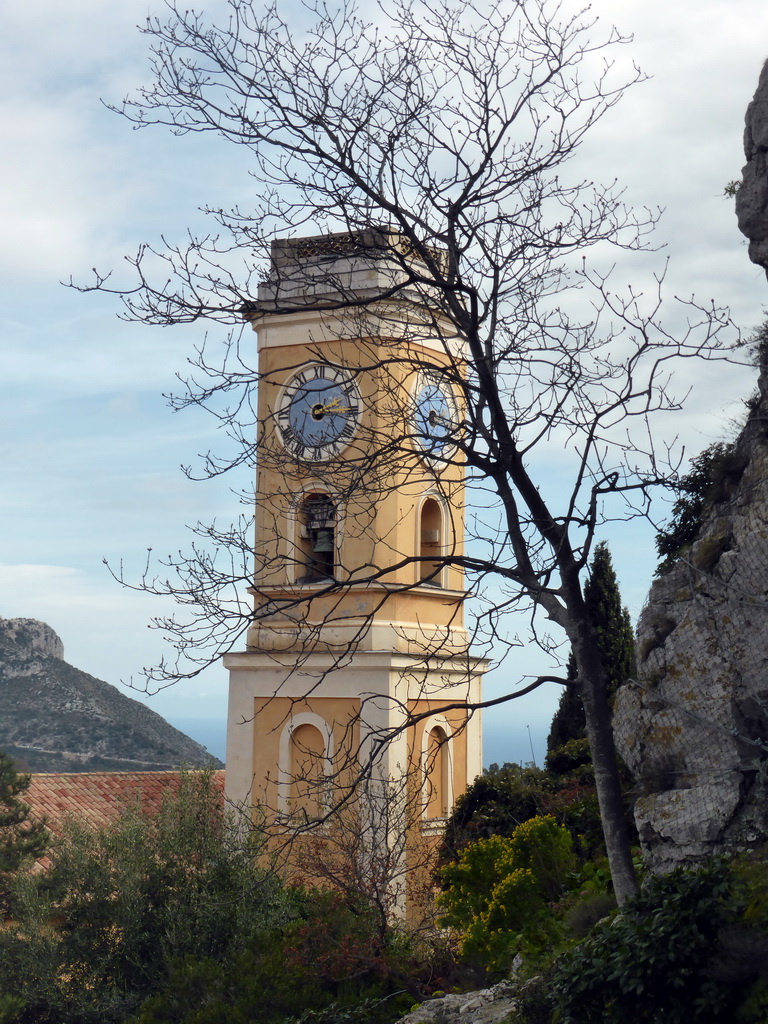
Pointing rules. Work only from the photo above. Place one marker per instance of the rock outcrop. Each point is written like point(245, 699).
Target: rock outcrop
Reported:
point(28, 638)
point(752, 195)
point(693, 729)
point(487, 1006)
point(56, 718)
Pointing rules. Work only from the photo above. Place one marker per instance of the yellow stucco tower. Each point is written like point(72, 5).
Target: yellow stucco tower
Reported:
point(357, 674)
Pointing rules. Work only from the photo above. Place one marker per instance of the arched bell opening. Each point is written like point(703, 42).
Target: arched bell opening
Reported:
point(316, 539)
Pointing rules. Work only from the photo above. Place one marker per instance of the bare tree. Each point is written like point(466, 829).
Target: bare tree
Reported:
point(372, 854)
point(435, 140)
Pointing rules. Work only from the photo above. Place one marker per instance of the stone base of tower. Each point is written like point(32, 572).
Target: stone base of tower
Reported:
point(358, 757)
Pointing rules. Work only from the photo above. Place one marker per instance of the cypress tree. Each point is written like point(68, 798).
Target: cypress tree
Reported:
point(615, 635)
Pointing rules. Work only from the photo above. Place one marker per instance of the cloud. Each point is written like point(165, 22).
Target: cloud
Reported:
point(89, 451)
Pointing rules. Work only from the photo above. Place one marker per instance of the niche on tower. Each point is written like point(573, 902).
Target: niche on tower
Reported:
point(430, 568)
point(437, 769)
point(306, 752)
point(316, 540)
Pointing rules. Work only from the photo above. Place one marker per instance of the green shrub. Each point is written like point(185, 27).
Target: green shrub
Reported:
point(571, 756)
point(102, 929)
point(587, 911)
point(661, 958)
point(318, 967)
point(503, 798)
point(711, 478)
point(495, 804)
point(495, 896)
point(546, 848)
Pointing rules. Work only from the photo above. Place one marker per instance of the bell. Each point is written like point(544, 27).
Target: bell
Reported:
point(322, 540)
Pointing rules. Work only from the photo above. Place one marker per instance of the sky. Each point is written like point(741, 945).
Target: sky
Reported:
point(90, 453)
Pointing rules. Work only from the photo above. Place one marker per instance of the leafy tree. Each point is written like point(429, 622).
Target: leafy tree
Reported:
point(22, 839)
point(501, 799)
point(568, 722)
point(616, 639)
point(168, 916)
point(441, 157)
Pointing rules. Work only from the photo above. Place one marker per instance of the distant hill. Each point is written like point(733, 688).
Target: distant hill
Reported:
point(55, 718)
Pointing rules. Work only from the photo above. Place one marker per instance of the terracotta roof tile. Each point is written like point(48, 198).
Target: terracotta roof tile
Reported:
point(101, 796)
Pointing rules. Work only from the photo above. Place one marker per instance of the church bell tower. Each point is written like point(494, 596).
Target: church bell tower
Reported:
point(357, 661)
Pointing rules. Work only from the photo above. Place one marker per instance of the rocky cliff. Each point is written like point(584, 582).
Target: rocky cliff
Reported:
point(752, 195)
point(693, 729)
point(55, 718)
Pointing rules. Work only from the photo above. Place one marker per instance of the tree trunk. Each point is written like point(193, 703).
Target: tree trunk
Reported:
point(600, 733)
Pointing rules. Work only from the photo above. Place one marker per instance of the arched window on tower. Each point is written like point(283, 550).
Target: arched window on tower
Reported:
point(307, 770)
point(437, 769)
point(316, 539)
point(431, 543)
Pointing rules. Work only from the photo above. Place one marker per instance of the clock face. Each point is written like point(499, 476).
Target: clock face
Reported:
point(318, 413)
point(435, 417)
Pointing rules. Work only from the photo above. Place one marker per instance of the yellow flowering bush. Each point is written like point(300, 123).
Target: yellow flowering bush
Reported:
point(497, 890)
point(546, 848)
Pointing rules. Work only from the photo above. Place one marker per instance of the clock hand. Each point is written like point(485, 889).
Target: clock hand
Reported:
point(333, 406)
